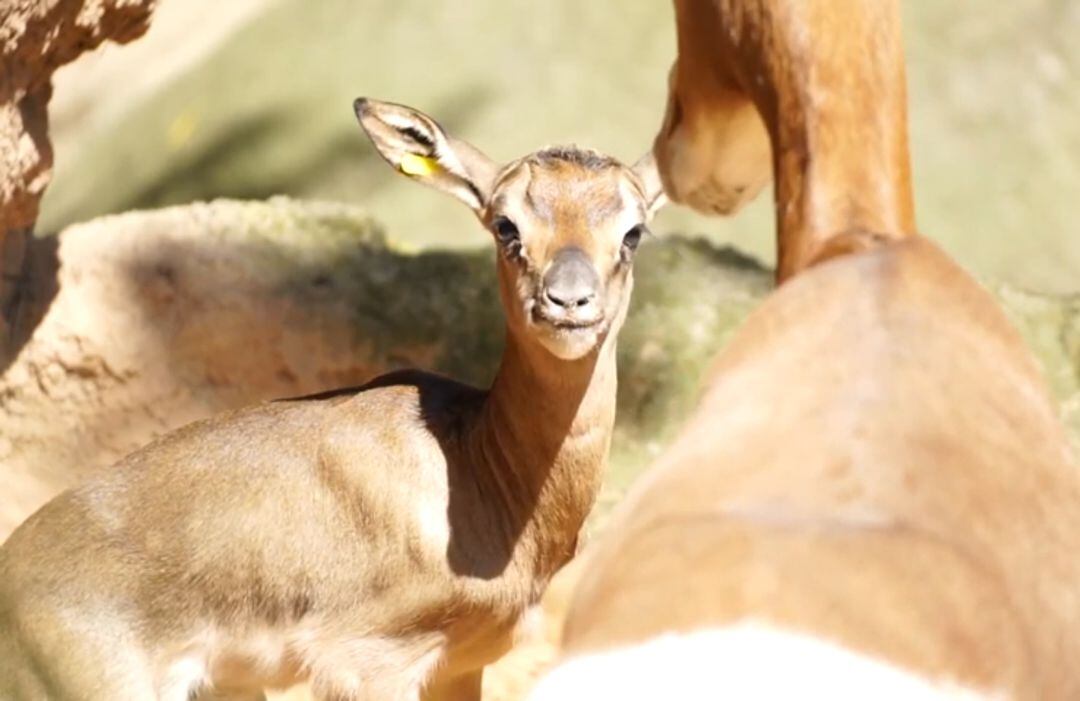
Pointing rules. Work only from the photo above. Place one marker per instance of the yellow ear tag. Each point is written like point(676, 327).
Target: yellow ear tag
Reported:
point(411, 164)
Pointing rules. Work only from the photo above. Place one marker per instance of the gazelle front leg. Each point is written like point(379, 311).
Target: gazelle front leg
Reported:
point(465, 687)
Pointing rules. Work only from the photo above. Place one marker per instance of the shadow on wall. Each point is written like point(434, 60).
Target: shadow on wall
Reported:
point(213, 171)
point(262, 151)
point(28, 284)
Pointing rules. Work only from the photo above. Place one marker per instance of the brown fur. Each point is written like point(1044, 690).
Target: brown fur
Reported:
point(824, 82)
point(876, 460)
point(380, 542)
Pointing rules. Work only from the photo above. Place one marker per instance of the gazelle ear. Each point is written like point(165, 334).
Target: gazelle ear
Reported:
point(653, 188)
point(414, 144)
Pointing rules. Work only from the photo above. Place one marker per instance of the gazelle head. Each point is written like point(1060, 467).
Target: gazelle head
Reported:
point(566, 221)
point(713, 149)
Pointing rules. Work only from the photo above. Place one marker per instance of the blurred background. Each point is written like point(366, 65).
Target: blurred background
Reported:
point(251, 98)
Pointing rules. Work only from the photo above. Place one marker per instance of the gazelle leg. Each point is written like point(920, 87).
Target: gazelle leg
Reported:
point(465, 687)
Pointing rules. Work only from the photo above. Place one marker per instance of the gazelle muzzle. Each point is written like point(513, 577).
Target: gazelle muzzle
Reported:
point(570, 290)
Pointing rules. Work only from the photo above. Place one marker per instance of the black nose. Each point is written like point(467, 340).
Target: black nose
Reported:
point(571, 281)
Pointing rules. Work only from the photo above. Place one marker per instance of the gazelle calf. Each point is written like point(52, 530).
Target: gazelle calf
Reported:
point(379, 542)
point(875, 497)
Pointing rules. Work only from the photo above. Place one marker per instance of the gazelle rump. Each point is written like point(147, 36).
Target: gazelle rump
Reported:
point(875, 497)
point(379, 542)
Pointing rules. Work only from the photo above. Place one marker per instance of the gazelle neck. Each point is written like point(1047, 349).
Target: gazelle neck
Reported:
point(840, 150)
point(546, 431)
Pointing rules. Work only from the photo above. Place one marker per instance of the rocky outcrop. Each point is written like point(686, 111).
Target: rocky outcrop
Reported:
point(36, 38)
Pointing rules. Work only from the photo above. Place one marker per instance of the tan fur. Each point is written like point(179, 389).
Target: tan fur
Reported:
point(824, 81)
point(379, 542)
point(876, 460)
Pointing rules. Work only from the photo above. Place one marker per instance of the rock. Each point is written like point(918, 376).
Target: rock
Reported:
point(36, 38)
point(165, 317)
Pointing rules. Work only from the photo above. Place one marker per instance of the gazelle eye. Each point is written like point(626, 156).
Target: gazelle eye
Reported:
point(508, 236)
point(505, 230)
point(633, 238)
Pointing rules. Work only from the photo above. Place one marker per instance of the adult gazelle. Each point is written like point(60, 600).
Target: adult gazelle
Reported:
point(875, 497)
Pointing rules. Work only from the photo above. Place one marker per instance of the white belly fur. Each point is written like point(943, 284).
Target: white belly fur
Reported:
point(745, 661)
point(362, 667)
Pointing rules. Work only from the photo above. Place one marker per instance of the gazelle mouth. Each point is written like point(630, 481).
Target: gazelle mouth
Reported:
point(566, 324)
